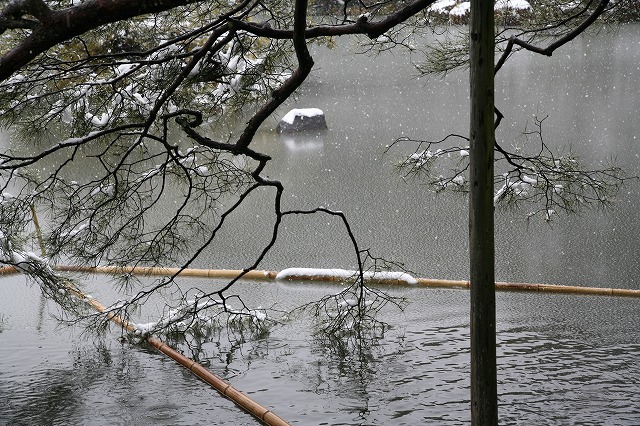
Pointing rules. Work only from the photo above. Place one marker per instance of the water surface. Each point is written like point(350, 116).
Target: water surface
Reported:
point(562, 359)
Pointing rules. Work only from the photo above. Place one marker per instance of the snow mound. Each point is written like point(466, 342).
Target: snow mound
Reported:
point(343, 274)
point(302, 119)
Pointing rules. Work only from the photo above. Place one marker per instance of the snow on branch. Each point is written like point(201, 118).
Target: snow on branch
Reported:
point(529, 174)
point(54, 285)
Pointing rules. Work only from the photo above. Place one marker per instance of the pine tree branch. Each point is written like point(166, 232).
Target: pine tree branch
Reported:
point(56, 26)
point(548, 51)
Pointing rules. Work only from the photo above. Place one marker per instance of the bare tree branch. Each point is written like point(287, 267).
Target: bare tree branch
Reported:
point(361, 26)
point(548, 51)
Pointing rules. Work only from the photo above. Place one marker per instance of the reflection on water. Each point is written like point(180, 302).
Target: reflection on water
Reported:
point(585, 379)
point(304, 143)
point(562, 359)
point(53, 375)
point(551, 365)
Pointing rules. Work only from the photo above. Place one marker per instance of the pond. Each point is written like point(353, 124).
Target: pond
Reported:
point(563, 359)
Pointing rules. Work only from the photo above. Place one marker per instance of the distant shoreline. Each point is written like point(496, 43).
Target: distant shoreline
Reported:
point(456, 12)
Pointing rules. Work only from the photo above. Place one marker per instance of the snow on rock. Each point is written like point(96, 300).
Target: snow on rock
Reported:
point(301, 112)
point(302, 119)
point(343, 274)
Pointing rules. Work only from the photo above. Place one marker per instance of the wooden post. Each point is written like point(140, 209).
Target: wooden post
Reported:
point(484, 406)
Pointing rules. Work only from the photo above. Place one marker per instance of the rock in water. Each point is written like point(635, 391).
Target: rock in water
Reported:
point(302, 119)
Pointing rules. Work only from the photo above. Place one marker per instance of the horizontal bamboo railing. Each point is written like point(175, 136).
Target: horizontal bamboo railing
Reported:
point(252, 407)
point(271, 275)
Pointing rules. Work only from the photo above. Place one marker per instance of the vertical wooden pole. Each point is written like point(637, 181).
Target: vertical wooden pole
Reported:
point(484, 407)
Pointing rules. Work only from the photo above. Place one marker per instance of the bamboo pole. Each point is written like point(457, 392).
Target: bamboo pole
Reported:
point(8, 270)
point(425, 282)
point(156, 271)
point(250, 406)
point(271, 275)
point(247, 404)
